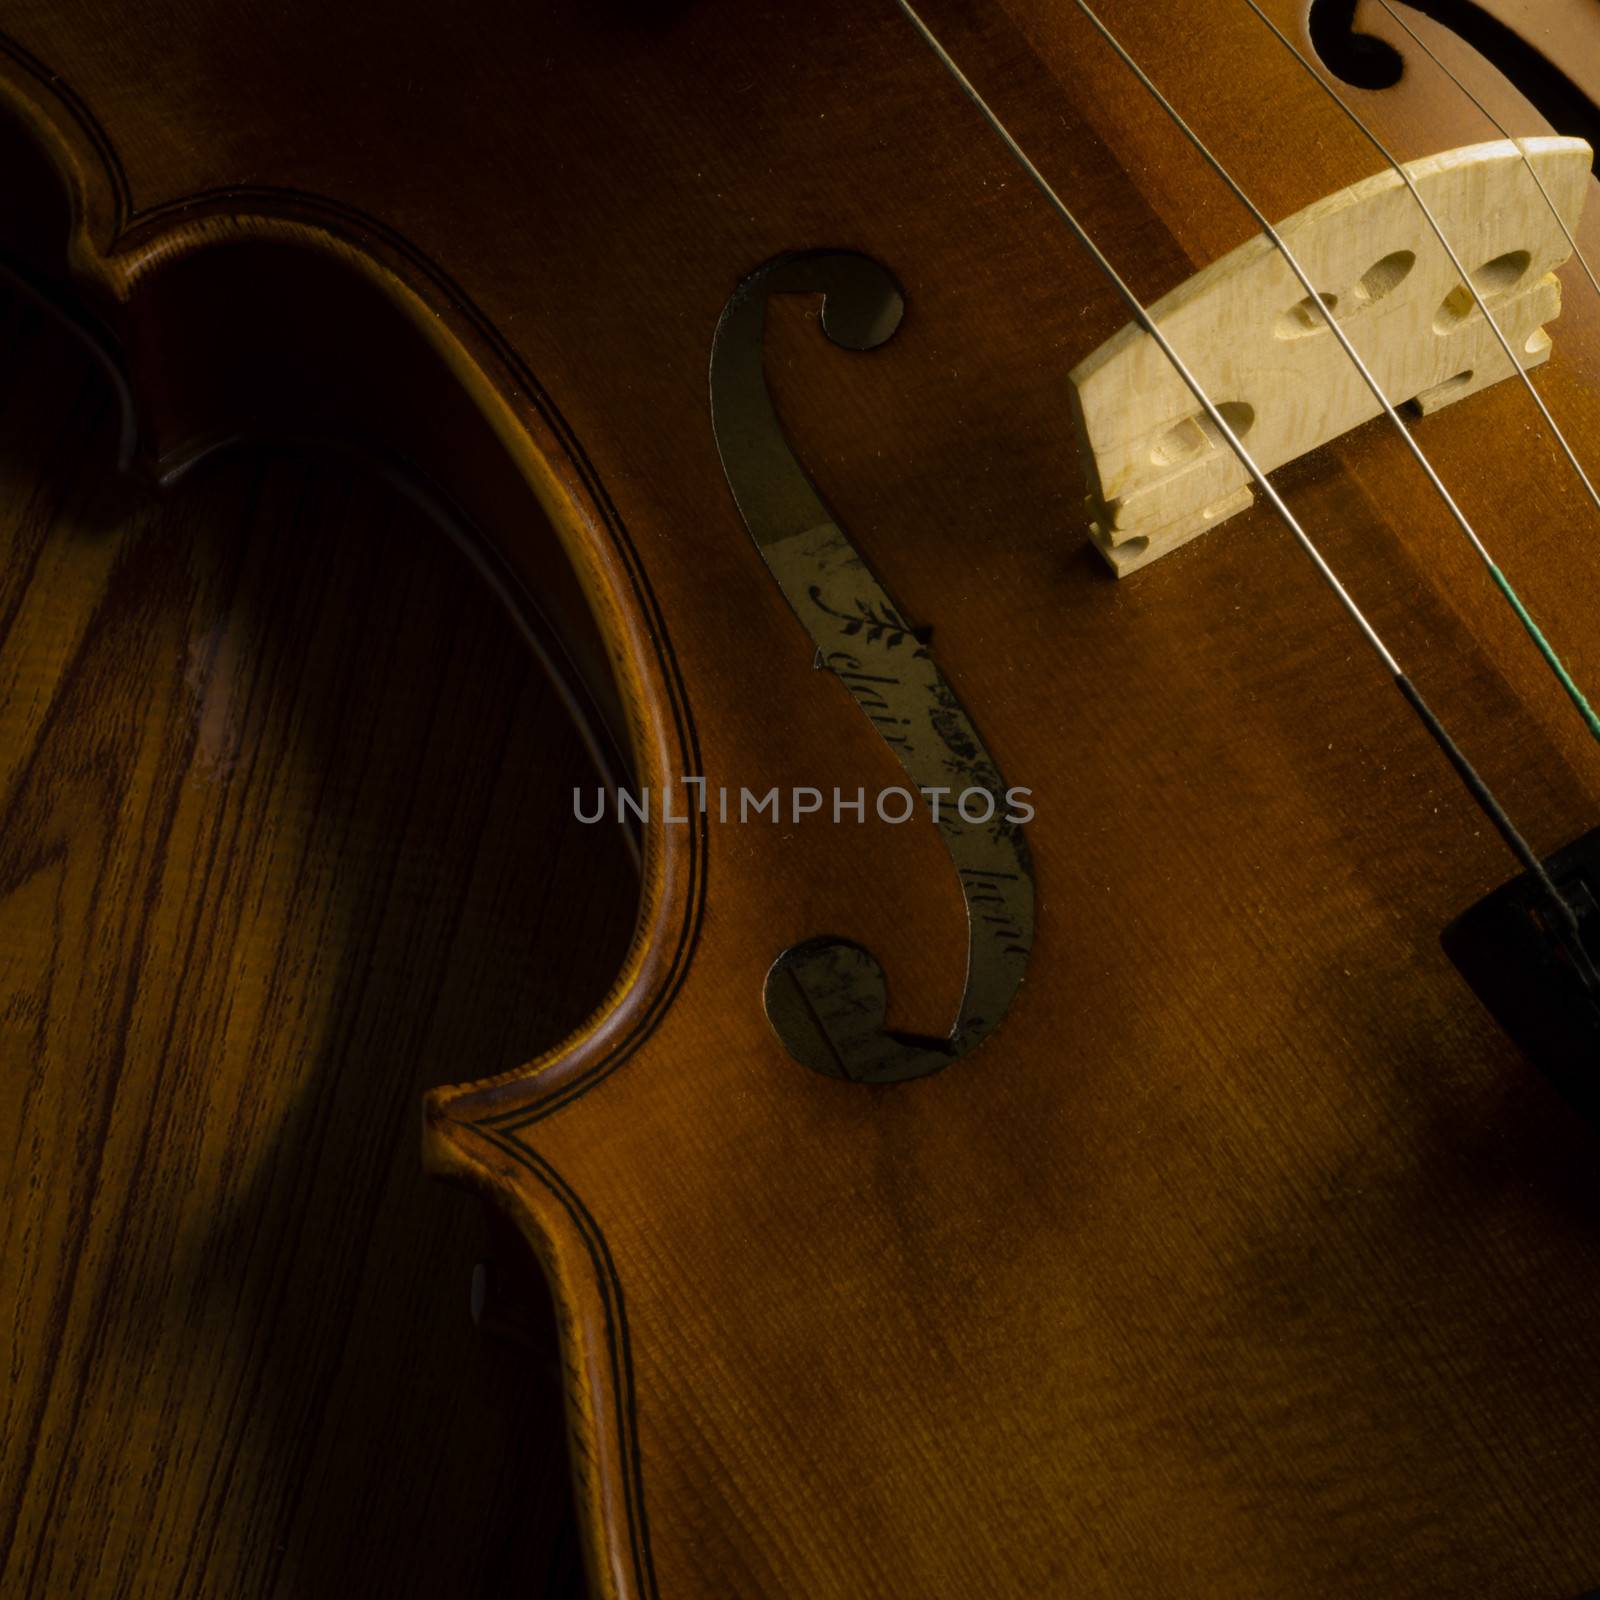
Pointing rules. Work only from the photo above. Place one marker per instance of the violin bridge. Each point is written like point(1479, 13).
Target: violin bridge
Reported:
point(1159, 470)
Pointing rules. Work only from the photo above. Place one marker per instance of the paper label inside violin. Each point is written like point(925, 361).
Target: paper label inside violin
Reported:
point(1158, 469)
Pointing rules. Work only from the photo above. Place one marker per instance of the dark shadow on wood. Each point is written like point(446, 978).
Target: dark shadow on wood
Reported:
point(287, 838)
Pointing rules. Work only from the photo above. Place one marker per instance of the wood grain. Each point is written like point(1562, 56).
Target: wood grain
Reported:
point(273, 768)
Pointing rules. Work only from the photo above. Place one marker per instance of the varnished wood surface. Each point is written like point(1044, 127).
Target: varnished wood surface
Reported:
point(285, 837)
point(1560, 31)
point(1248, 1259)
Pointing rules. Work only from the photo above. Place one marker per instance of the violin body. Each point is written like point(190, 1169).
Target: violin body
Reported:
point(1248, 1257)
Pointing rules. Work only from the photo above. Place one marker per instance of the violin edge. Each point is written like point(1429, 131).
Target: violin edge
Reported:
point(596, 1379)
point(114, 281)
point(109, 278)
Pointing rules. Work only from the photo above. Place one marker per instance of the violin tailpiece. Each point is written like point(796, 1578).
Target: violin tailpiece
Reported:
point(1160, 472)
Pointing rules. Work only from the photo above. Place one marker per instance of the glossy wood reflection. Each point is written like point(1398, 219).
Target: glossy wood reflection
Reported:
point(270, 766)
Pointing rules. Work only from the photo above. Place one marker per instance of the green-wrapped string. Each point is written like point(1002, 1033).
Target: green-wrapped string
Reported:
point(1557, 666)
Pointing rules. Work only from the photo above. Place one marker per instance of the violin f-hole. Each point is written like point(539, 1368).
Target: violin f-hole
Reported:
point(1539, 73)
point(1362, 60)
point(826, 997)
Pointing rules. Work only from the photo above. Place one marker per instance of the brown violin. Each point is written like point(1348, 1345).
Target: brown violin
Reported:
point(1072, 533)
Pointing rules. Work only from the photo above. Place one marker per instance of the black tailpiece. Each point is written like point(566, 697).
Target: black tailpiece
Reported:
point(1519, 967)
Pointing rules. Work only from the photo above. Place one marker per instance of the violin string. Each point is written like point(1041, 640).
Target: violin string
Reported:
point(1534, 632)
point(1568, 929)
point(1455, 260)
point(1504, 132)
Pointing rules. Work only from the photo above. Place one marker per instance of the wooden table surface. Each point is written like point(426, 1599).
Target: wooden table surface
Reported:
point(286, 838)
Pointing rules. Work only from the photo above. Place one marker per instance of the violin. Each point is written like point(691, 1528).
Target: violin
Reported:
point(1100, 1098)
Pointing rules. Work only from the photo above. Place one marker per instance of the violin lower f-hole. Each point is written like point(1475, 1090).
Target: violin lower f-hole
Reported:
point(826, 998)
point(1159, 471)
